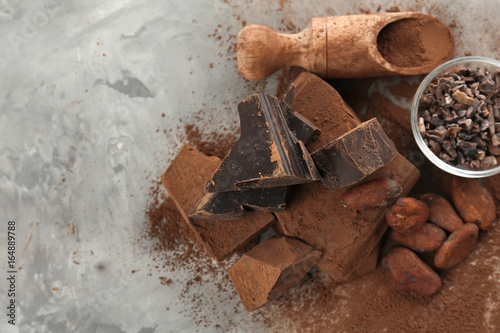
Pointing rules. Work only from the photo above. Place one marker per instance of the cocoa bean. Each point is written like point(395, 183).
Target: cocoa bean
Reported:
point(442, 212)
point(410, 272)
point(473, 202)
point(407, 215)
point(427, 239)
point(457, 247)
point(377, 193)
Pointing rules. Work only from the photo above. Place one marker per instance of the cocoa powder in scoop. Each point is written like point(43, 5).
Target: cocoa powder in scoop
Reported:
point(413, 43)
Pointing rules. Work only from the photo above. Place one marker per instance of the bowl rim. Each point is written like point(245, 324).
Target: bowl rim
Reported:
point(462, 172)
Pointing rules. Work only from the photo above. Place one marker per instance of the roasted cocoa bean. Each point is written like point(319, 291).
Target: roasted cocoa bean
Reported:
point(442, 212)
point(427, 239)
point(473, 202)
point(376, 193)
point(410, 272)
point(407, 215)
point(457, 247)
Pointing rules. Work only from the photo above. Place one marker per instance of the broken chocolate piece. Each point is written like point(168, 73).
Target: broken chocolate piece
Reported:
point(230, 205)
point(354, 156)
point(270, 269)
point(302, 128)
point(315, 214)
point(184, 181)
point(266, 155)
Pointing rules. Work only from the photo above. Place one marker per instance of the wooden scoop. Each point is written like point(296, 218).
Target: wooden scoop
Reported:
point(352, 46)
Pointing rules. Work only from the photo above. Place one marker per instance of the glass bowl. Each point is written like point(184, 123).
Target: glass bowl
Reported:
point(465, 62)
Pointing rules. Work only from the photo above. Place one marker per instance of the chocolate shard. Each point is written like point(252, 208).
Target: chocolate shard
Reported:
point(355, 155)
point(270, 269)
point(230, 205)
point(184, 180)
point(302, 128)
point(267, 154)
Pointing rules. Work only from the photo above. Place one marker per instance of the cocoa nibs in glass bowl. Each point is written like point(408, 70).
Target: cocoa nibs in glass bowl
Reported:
point(459, 117)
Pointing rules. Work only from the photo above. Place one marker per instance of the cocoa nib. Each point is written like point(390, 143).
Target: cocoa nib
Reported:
point(459, 117)
point(437, 134)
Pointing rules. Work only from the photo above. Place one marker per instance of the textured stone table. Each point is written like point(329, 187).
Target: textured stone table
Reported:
point(83, 87)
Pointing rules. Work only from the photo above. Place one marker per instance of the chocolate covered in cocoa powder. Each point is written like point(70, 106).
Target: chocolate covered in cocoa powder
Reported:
point(270, 269)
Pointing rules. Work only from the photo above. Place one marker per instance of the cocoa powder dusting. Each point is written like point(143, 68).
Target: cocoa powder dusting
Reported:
point(174, 249)
point(211, 144)
point(166, 226)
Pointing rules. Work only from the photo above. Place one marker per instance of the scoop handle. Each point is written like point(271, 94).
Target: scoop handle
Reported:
point(262, 51)
point(344, 46)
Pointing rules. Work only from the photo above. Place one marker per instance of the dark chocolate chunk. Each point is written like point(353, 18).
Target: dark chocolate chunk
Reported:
point(266, 155)
point(354, 155)
point(302, 128)
point(230, 205)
